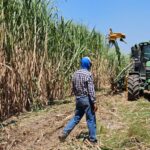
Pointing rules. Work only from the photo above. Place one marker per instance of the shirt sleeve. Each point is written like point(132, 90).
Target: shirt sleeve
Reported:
point(91, 89)
point(72, 88)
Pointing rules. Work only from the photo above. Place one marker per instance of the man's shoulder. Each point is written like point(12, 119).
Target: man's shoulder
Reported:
point(83, 71)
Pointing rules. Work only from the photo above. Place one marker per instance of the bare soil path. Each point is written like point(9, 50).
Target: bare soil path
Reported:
point(121, 125)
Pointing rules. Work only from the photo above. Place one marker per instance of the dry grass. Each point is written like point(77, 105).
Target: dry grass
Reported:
point(121, 125)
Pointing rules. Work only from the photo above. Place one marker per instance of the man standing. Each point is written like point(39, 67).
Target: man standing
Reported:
point(83, 88)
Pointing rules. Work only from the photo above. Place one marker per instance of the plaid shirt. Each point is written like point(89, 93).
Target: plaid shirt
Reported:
point(82, 82)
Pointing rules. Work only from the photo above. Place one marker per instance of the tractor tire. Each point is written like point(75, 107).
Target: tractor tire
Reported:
point(133, 87)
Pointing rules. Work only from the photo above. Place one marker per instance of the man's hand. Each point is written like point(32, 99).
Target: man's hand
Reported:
point(95, 107)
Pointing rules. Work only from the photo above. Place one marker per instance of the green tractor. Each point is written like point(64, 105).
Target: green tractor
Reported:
point(135, 78)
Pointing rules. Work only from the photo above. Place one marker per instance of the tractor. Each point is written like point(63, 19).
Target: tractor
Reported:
point(139, 74)
point(135, 78)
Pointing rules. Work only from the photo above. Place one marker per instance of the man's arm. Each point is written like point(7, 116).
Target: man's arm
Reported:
point(91, 92)
point(72, 89)
point(72, 86)
point(91, 89)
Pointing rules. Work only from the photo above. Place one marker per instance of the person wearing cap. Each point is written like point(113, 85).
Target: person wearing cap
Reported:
point(83, 89)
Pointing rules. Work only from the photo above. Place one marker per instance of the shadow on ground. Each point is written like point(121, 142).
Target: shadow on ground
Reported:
point(59, 102)
point(82, 135)
point(147, 96)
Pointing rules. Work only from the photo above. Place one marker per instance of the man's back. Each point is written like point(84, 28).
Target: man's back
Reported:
point(80, 79)
point(83, 84)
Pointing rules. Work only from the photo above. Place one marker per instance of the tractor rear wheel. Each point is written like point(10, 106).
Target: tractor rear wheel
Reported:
point(133, 87)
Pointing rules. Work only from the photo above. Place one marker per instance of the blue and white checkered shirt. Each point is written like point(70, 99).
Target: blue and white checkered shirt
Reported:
point(82, 82)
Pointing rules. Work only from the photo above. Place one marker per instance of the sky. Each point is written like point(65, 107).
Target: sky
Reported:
point(131, 17)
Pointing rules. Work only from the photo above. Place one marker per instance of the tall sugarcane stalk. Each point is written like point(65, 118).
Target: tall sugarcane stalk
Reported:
point(43, 51)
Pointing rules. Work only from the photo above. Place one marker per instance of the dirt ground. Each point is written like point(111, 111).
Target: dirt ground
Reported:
point(39, 130)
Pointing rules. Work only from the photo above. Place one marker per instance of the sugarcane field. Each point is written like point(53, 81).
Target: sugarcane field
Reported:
point(74, 75)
